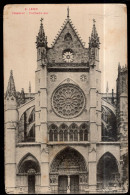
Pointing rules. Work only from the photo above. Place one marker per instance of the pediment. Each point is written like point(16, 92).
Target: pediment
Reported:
point(68, 40)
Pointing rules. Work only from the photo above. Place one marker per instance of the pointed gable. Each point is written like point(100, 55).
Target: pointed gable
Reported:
point(68, 28)
point(68, 40)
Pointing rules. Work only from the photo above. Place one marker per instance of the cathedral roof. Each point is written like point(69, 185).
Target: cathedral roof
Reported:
point(11, 91)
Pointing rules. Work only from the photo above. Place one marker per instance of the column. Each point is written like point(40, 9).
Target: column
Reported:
point(92, 179)
point(68, 187)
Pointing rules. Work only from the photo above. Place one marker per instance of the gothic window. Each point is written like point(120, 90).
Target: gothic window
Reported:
point(31, 134)
point(71, 135)
point(63, 127)
point(61, 135)
point(68, 100)
point(55, 135)
point(109, 130)
point(84, 132)
point(26, 131)
point(63, 132)
point(50, 135)
point(68, 37)
point(73, 129)
point(75, 135)
point(53, 130)
point(65, 135)
point(85, 135)
point(81, 135)
point(85, 128)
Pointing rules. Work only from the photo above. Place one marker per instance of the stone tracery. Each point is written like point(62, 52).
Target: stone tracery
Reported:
point(68, 100)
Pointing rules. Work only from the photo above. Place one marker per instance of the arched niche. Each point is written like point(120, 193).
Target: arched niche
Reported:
point(107, 171)
point(27, 163)
point(28, 174)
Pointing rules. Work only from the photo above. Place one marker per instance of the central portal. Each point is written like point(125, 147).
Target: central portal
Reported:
point(68, 172)
point(68, 184)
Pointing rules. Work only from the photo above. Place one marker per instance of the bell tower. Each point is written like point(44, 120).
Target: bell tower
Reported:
point(41, 104)
point(11, 118)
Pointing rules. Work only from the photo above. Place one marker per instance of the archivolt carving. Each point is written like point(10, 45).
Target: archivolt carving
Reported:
point(69, 160)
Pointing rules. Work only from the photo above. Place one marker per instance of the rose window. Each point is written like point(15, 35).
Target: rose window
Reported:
point(68, 100)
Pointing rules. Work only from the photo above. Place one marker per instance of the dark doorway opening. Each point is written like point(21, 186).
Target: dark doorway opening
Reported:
point(31, 184)
point(63, 182)
point(74, 184)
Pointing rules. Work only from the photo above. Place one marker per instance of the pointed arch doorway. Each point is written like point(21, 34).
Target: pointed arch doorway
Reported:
point(31, 181)
point(68, 172)
point(107, 172)
point(29, 173)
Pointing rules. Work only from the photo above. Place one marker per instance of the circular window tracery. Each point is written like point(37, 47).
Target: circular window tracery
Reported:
point(68, 101)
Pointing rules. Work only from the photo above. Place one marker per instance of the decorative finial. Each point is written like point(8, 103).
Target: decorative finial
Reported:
point(11, 72)
point(68, 12)
point(41, 20)
point(94, 21)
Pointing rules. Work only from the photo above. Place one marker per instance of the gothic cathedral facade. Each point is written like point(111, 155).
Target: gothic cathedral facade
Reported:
point(67, 137)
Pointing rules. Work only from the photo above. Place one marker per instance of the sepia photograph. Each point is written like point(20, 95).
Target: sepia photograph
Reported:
point(65, 98)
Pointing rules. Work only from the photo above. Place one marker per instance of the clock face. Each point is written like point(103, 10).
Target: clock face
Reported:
point(68, 56)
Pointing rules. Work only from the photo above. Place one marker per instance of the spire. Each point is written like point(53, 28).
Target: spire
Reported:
point(107, 89)
point(94, 39)
point(11, 91)
point(68, 13)
point(112, 96)
point(29, 87)
point(119, 66)
point(41, 38)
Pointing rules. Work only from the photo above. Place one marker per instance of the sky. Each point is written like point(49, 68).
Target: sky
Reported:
point(21, 26)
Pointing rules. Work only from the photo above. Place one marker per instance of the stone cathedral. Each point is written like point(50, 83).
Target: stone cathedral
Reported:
point(67, 137)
